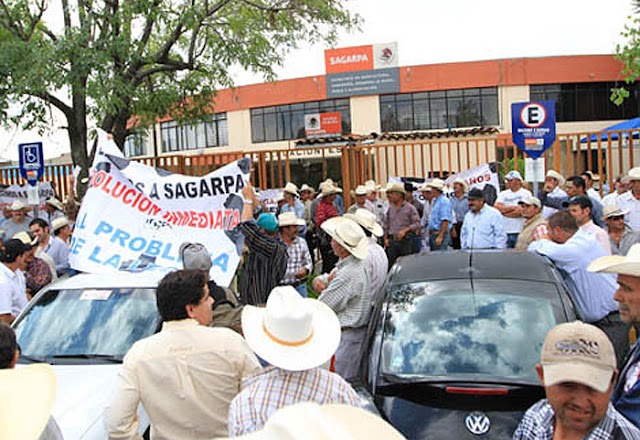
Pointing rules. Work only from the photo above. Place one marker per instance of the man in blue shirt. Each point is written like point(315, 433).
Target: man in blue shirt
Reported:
point(572, 250)
point(483, 226)
point(440, 218)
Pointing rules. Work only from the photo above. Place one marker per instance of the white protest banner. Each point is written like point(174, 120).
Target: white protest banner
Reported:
point(20, 192)
point(135, 217)
point(268, 197)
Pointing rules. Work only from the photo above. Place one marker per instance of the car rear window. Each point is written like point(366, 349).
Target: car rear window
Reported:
point(88, 322)
point(443, 329)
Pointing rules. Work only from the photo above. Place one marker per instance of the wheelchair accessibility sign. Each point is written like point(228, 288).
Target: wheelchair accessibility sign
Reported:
point(31, 162)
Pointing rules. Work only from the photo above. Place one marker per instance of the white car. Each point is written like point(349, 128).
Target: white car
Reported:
point(83, 326)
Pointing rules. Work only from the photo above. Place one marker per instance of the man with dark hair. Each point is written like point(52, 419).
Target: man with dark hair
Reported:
point(483, 225)
point(580, 209)
point(13, 291)
point(572, 250)
point(37, 272)
point(186, 375)
point(401, 224)
point(54, 247)
point(576, 186)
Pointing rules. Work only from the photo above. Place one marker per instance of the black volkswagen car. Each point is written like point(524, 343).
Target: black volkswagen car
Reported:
point(452, 344)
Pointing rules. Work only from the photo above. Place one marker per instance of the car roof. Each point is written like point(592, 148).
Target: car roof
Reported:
point(486, 264)
point(110, 280)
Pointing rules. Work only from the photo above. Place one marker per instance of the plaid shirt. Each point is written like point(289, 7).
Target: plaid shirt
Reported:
point(299, 257)
point(538, 421)
point(37, 275)
point(265, 392)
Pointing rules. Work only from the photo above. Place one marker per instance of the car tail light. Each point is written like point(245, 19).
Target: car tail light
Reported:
point(478, 391)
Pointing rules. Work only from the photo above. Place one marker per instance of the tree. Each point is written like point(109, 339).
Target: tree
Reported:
point(110, 60)
point(629, 54)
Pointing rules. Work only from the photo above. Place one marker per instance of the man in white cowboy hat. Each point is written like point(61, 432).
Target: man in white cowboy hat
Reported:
point(186, 375)
point(53, 209)
point(360, 194)
point(535, 226)
point(296, 336)
point(590, 177)
point(621, 236)
point(440, 217)
point(507, 204)
point(325, 210)
point(373, 202)
point(28, 395)
point(621, 185)
point(572, 250)
point(306, 196)
point(626, 395)
point(19, 221)
point(552, 195)
point(299, 263)
point(577, 369)
point(293, 204)
point(401, 223)
point(460, 206)
point(630, 201)
point(377, 262)
point(346, 290)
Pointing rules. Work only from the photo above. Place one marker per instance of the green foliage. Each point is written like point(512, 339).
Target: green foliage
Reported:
point(109, 60)
point(629, 55)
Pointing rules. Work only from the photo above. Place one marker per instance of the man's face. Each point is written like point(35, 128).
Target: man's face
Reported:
point(580, 214)
point(371, 195)
point(305, 195)
point(475, 205)
point(338, 249)
point(516, 184)
point(28, 258)
point(428, 195)
point(289, 198)
point(202, 312)
point(361, 199)
point(457, 187)
point(615, 223)
point(628, 297)
point(635, 186)
point(290, 231)
point(577, 407)
point(41, 233)
point(551, 182)
point(529, 211)
point(623, 187)
point(571, 189)
point(18, 216)
point(394, 197)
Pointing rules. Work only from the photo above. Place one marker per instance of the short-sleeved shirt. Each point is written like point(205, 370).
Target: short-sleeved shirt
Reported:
point(13, 292)
point(511, 198)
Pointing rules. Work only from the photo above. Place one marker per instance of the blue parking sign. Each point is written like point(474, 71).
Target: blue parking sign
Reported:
point(533, 126)
point(31, 162)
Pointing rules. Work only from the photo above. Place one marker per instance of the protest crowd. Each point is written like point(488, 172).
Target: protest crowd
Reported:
point(290, 329)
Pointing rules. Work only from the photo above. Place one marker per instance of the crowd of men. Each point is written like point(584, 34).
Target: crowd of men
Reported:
point(225, 362)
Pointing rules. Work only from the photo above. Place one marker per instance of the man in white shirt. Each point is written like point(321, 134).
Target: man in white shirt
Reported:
point(630, 201)
point(13, 289)
point(53, 246)
point(590, 177)
point(621, 185)
point(580, 209)
point(508, 205)
point(185, 376)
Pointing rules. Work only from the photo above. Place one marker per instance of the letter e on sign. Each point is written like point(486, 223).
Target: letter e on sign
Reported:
point(533, 115)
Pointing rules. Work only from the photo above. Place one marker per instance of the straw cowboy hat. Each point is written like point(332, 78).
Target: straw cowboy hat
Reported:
point(17, 205)
point(371, 186)
point(329, 189)
point(424, 187)
point(348, 234)
point(28, 395)
point(626, 265)
point(462, 182)
point(361, 190)
point(367, 220)
point(634, 173)
point(395, 187)
point(613, 210)
point(556, 175)
point(306, 187)
point(291, 188)
point(27, 238)
point(311, 421)
point(291, 332)
point(289, 219)
point(279, 197)
point(59, 223)
point(55, 203)
point(436, 184)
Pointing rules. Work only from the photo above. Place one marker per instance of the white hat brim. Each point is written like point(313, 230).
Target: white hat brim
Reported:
point(590, 375)
point(359, 251)
point(375, 230)
point(313, 353)
point(28, 394)
point(297, 222)
point(616, 264)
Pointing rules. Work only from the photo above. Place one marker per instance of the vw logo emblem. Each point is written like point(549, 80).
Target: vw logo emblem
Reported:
point(477, 423)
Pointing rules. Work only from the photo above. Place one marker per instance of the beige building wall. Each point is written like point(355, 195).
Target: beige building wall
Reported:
point(239, 126)
point(365, 114)
point(506, 96)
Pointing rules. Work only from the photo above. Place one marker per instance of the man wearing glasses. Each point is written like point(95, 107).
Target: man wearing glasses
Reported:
point(621, 236)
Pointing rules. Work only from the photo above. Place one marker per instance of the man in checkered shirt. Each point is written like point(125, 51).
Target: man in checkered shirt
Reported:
point(578, 371)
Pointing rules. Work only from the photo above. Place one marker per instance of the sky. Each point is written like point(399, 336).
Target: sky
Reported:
point(431, 32)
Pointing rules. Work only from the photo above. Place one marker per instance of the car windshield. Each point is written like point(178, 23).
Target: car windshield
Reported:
point(80, 322)
point(441, 329)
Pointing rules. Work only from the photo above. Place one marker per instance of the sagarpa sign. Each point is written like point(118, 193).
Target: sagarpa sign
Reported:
point(323, 124)
point(355, 58)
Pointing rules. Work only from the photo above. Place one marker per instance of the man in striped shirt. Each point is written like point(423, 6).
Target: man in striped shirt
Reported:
point(299, 264)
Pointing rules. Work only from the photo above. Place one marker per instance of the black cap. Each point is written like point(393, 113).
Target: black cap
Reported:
point(582, 201)
point(475, 193)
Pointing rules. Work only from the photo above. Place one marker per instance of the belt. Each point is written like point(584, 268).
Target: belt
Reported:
point(296, 284)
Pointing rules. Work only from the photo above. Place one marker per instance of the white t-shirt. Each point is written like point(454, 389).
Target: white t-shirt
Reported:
point(629, 203)
point(13, 291)
point(511, 198)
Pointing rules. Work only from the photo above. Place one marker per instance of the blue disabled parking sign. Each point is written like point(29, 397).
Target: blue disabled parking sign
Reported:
point(31, 162)
point(533, 126)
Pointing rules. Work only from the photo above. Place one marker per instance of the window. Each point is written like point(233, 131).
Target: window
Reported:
point(193, 136)
point(587, 101)
point(442, 109)
point(285, 122)
point(135, 145)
